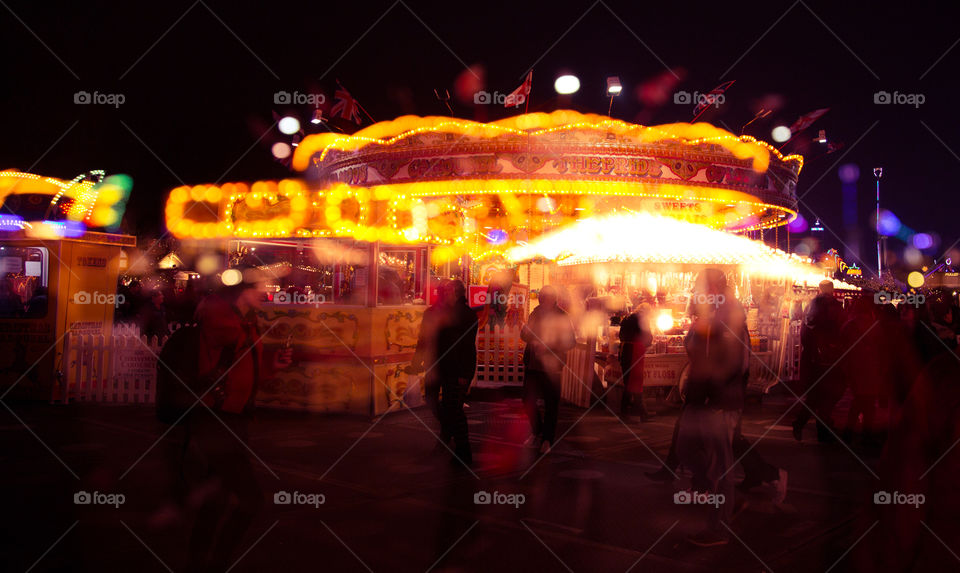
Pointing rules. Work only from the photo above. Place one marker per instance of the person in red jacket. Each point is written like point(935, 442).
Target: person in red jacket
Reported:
point(232, 357)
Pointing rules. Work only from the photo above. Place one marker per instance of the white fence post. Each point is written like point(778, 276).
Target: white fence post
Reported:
point(499, 357)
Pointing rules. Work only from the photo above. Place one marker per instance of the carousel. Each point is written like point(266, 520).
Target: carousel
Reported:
point(380, 215)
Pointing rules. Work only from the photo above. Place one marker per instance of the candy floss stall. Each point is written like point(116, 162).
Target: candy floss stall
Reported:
point(355, 246)
point(651, 262)
point(59, 261)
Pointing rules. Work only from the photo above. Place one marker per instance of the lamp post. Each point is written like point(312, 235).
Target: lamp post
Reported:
point(878, 173)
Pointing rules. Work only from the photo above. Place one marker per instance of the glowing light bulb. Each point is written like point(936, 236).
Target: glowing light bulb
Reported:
point(915, 279)
point(567, 84)
point(665, 321)
point(280, 150)
point(231, 277)
point(781, 133)
point(289, 125)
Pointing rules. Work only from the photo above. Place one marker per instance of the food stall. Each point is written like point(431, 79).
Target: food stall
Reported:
point(58, 273)
point(629, 260)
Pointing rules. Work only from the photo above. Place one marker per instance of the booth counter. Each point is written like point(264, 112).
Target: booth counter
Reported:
point(348, 359)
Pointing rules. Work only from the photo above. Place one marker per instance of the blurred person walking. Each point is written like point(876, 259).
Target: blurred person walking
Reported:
point(447, 353)
point(862, 366)
point(919, 466)
point(425, 358)
point(548, 335)
point(757, 470)
point(222, 360)
point(456, 352)
point(714, 398)
point(821, 347)
point(635, 339)
point(901, 362)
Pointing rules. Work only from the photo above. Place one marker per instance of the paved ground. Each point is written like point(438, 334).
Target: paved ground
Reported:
point(393, 504)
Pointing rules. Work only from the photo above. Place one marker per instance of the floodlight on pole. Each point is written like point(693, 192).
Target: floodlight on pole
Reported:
point(614, 88)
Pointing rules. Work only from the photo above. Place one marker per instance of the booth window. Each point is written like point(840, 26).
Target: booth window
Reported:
point(399, 277)
point(310, 273)
point(23, 281)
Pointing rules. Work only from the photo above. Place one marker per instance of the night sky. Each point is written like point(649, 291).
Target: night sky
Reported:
point(199, 82)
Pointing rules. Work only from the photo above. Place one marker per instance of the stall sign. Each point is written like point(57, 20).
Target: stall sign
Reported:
point(137, 363)
point(84, 327)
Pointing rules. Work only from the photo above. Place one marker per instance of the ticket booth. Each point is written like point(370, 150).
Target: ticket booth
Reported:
point(58, 272)
point(49, 288)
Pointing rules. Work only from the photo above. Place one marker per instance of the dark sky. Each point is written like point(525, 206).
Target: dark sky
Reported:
point(199, 78)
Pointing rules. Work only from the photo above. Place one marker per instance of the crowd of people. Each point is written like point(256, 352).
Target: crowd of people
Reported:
point(874, 352)
point(153, 309)
point(899, 360)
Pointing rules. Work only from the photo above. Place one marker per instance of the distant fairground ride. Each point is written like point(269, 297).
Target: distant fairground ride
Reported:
point(480, 188)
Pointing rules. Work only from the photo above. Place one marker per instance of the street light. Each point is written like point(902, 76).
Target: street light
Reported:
point(614, 88)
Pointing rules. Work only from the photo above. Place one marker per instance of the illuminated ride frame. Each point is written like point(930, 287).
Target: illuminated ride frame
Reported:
point(454, 196)
point(59, 262)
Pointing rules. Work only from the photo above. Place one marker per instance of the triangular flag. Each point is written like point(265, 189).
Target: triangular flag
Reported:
point(711, 98)
point(520, 95)
point(805, 121)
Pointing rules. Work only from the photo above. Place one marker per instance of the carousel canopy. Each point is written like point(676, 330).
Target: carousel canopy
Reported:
point(481, 188)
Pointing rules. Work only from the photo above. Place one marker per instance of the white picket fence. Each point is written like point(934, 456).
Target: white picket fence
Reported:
point(576, 382)
point(499, 357)
point(121, 368)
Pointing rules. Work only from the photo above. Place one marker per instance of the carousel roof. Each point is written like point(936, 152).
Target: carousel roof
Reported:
point(478, 189)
